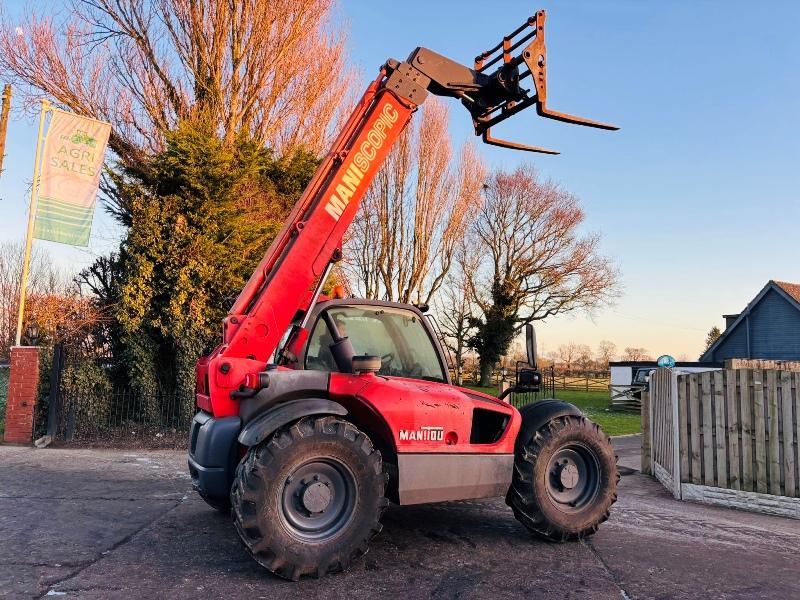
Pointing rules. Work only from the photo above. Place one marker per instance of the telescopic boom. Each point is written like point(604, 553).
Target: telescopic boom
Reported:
point(288, 281)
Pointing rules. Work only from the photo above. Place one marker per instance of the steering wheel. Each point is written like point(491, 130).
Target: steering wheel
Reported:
point(386, 360)
point(416, 371)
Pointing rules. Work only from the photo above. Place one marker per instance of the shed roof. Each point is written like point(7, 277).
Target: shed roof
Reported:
point(791, 291)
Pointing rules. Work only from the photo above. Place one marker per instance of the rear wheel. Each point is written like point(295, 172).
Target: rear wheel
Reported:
point(565, 479)
point(307, 500)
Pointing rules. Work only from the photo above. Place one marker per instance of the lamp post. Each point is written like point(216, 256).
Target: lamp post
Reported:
point(32, 332)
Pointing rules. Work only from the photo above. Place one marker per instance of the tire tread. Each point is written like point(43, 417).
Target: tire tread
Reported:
point(521, 496)
point(264, 460)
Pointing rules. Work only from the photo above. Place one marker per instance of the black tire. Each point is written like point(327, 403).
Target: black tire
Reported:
point(307, 500)
point(565, 479)
point(222, 505)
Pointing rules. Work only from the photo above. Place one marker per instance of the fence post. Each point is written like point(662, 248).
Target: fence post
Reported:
point(502, 386)
point(646, 434)
point(55, 385)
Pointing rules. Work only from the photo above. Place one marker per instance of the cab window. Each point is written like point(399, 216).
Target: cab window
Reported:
point(396, 335)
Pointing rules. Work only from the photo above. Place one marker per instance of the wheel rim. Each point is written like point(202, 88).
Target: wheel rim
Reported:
point(318, 499)
point(573, 477)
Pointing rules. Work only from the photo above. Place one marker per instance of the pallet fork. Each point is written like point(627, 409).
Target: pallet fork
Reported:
point(493, 97)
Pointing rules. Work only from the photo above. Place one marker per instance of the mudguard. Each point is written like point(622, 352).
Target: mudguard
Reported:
point(260, 428)
point(284, 386)
point(537, 414)
point(213, 453)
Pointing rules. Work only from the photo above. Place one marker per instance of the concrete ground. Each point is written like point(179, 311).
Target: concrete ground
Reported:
point(116, 524)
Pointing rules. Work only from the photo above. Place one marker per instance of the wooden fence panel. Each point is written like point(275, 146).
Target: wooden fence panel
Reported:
point(746, 411)
point(773, 438)
point(737, 429)
point(733, 429)
point(683, 424)
point(656, 406)
point(760, 425)
point(694, 413)
point(720, 448)
point(707, 430)
point(663, 425)
point(796, 399)
point(787, 402)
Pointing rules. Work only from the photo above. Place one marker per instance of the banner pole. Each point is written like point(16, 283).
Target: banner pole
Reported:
point(26, 259)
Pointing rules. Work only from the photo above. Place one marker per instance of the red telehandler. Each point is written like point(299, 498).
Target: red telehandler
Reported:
point(316, 412)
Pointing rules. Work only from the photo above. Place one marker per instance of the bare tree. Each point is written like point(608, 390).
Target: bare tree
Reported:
point(536, 263)
point(584, 359)
point(43, 281)
point(414, 216)
point(606, 351)
point(567, 355)
point(636, 354)
point(456, 311)
point(274, 71)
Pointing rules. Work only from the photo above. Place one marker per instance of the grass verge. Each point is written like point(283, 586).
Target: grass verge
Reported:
point(595, 406)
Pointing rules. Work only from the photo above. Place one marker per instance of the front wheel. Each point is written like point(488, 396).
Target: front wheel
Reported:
point(308, 499)
point(565, 479)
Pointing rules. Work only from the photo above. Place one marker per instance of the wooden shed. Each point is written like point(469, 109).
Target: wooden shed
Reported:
point(768, 328)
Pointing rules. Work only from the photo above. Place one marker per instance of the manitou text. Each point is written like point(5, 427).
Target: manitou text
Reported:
point(361, 162)
point(423, 434)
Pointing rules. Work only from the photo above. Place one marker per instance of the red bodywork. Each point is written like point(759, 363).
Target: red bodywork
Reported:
point(410, 405)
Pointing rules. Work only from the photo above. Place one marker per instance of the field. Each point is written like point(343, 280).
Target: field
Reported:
point(595, 406)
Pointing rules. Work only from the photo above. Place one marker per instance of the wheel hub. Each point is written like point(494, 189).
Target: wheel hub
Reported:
point(573, 478)
point(316, 497)
point(569, 475)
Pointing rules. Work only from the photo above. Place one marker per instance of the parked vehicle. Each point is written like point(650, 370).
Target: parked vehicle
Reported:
point(316, 412)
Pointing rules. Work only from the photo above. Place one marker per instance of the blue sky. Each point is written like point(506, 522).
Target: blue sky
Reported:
point(696, 197)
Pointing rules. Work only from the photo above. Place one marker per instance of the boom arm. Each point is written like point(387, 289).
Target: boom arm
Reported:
point(287, 281)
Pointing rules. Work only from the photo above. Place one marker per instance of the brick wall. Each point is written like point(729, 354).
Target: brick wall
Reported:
point(22, 385)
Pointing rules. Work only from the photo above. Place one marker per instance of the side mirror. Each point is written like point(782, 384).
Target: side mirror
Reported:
point(529, 378)
point(530, 343)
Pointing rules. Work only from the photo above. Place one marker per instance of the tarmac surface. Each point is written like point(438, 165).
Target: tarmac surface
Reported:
point(125, 524)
